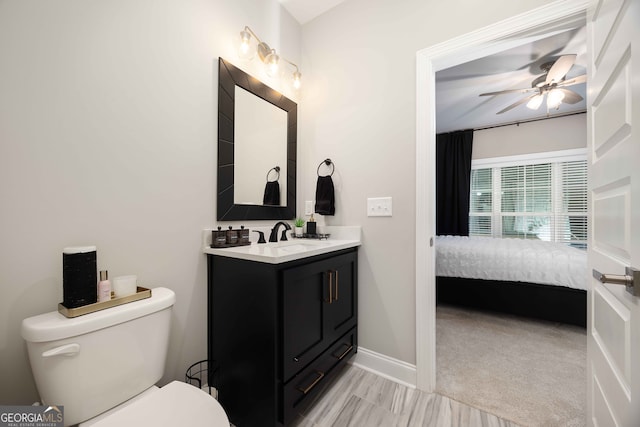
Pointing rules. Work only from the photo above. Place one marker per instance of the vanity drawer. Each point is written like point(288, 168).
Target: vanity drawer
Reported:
point(309, 381)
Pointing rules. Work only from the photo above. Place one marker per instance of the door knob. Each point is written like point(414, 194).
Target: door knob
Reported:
point(631, 279)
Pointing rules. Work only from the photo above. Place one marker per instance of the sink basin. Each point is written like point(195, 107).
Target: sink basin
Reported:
point(294, 248)
point(300, 245)
point(279, 252)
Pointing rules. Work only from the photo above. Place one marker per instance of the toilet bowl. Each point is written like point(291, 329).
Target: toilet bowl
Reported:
point(175, 404)
point(103, 367)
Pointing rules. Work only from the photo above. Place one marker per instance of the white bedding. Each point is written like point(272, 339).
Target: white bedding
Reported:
point(515, 260)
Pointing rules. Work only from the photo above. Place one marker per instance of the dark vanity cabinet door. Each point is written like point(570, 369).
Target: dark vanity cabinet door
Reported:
point(277, 333)
point(319, 327)
point(319, 306)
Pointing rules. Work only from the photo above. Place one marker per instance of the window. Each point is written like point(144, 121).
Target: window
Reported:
point(481, 203)
point(545, 200)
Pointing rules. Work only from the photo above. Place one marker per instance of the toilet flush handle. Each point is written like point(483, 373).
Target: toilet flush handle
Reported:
point(63, 350)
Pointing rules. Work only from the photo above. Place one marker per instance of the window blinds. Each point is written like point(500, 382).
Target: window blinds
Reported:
point(546, 201)
point(481, 206)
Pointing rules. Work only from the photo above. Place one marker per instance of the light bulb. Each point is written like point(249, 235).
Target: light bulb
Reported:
point(554, 98)
point(296, 79)
point(244, 50)
point(272, 63)
point(534, 103)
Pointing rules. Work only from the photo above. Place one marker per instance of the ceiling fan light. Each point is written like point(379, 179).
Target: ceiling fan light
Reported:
point(535, 102)
point(554, 98)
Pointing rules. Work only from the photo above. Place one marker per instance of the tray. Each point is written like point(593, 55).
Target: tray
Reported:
point(230, 245)
point(317, 236)
point(141, 293)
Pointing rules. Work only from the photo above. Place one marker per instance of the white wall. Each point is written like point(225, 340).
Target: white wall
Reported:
point(358, 105)
point(108, 135)
point(562, 133)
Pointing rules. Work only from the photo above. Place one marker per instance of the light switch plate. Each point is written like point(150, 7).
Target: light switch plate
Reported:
point(308, 207)
point(379, 206)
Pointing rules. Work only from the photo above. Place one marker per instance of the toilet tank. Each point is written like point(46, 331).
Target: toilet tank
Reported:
point(92, 363)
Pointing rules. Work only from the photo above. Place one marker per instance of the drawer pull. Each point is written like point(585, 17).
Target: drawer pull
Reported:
point(305, 390)
point(340, 357)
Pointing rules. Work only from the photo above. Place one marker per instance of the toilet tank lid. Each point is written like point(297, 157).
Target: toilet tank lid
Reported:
point(54, 326)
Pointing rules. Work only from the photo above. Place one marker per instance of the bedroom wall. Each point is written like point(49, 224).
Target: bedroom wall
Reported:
point(108, 137)
point(562, 133)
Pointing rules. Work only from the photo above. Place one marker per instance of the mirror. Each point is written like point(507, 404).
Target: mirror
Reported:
point(260, 156)
point(257, 144)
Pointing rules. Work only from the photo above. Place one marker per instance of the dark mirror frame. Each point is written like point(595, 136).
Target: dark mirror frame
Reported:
point(230, 76)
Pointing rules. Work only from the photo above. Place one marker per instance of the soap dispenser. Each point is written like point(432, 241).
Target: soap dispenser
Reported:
point(311, 226)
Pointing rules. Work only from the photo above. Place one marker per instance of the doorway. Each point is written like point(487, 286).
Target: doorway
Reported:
point(533, 25)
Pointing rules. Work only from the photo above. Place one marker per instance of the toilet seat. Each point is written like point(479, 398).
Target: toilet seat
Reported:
point(175, 404)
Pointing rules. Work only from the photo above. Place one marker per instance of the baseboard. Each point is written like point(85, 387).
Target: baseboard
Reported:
point(388, 367)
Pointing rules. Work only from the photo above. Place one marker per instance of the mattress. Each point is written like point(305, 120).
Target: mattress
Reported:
point(516, 260)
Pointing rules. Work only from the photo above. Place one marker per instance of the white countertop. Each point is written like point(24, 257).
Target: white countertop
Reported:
point(341, 237)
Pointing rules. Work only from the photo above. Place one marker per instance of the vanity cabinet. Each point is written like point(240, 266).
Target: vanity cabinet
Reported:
point(278, 332)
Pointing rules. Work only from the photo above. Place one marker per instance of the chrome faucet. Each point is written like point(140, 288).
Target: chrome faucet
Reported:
point(273, 237)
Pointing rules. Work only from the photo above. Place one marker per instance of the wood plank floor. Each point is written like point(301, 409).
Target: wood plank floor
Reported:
point(359, 398)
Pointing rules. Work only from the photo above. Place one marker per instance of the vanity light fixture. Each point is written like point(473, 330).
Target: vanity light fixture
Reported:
point(266, 54)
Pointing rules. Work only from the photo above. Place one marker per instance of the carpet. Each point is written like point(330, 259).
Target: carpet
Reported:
point(527, 371)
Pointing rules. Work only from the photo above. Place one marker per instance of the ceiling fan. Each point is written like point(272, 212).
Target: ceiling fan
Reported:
point(552, 84)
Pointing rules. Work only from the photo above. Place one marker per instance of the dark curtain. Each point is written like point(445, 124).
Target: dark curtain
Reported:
point(453, 180)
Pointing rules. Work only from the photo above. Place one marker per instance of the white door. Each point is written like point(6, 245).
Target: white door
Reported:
point(613, 324)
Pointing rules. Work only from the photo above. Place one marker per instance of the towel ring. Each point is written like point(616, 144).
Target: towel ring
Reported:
point(277, 169)
point(327, 162)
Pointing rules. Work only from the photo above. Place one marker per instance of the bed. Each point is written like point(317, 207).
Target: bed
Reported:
point(529, 278)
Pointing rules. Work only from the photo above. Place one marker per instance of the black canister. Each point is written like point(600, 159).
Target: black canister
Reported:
point(79, 276)
point(219, 238)
point(243, 236)
point(232, 236)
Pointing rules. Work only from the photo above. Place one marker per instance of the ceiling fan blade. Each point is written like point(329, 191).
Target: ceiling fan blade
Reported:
point(515, 104)
point(570, 97)
point(560, 68)
point(573, 81)
point(500, 92)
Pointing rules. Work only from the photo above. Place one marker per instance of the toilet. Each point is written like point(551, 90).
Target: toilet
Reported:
point(102, 367)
